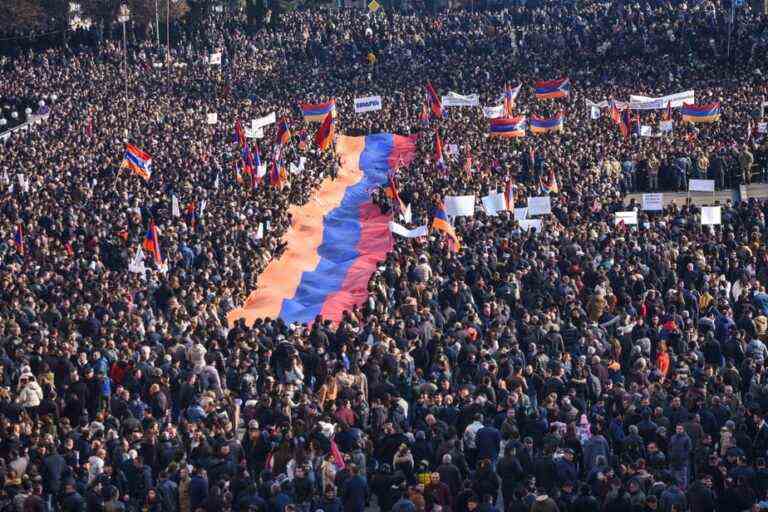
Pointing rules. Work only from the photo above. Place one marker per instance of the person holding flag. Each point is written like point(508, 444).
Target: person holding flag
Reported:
point(434, 102)
point(152, 244)
point(18, 240)
point(441, 223)
point(439, 159)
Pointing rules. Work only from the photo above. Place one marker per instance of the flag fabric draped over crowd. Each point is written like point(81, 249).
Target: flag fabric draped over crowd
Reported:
point(334, 243)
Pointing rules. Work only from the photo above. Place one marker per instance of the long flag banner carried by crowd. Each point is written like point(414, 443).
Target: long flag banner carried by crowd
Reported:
point(335, 241)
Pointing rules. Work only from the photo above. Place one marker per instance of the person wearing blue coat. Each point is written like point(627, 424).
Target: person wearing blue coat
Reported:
point(355, 491)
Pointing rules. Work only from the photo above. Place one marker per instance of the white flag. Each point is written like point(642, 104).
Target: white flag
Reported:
point(398, 229)
point(175, 210)
point(23, 182)
point(407, 216)
point(137, 264)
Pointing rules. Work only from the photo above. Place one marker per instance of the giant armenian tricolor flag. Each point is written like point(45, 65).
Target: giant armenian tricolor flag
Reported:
point(334, 243)
point(706, 113)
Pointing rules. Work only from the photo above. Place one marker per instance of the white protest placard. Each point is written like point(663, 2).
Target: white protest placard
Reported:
point(293, 168)
point(215, 59)
point(594, 112)
point(367, 104)
point(454, 99)
point(251, 133)
point(653, 202)
point(212, 118)
point(401, 230)
point(646, 131)
point(494, 203)
point(711, 215)
point(762, 127)
point(261, 170)
point(302, 162)
point(526, 225)
point(541, 205)
point(521, 213)
point(665, 126)
point(701, 185)
point(493, 112)
point(629, 218)
point(175, 210)
point(259, 232)
point(264, 121)
point(458, 206)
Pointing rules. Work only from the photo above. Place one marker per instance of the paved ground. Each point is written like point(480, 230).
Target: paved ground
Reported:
point(756, 190)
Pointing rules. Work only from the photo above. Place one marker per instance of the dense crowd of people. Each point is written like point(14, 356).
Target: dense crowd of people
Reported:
point(584, 367)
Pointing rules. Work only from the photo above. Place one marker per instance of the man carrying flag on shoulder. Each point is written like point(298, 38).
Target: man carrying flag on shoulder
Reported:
point(440, 222)
point(393, 193)
point(239, 133)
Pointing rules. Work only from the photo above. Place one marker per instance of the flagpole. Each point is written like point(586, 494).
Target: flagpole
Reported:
point(124, 16)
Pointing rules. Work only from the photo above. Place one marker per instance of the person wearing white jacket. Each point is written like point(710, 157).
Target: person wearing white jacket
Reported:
point(30, 392)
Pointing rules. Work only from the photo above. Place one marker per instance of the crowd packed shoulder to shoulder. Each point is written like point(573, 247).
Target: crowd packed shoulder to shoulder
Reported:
point(584, 367)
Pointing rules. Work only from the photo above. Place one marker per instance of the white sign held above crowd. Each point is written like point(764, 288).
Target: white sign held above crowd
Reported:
point(711, 215)
point(459, 206)
point(701, 185)
point(367, 104)
point(653, 202)
point(212, 118)
point(261, 122)
point(494, 203)
point(629, 218)
point(493, 112)
point(541, 205)
point(527, 224)
point(453, 99)
point(214, 59)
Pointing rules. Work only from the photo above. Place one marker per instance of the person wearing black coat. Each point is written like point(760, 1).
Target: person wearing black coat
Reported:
point(71, 500)
point(511, 473)
point(450, 474)
point(700, 495)
point(52, 471)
